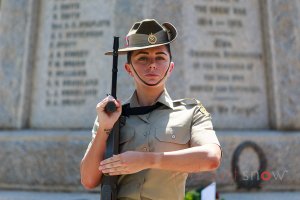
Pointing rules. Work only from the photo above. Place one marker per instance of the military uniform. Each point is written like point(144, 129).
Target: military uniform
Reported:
point(174, 126)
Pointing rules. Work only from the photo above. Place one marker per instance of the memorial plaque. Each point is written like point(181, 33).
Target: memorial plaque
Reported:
point(72, 73)
point(224, 61)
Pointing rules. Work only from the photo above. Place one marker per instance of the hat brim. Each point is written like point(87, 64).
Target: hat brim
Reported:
point(168, 26)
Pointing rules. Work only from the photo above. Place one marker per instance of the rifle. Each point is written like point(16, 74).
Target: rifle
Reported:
point(109, 183)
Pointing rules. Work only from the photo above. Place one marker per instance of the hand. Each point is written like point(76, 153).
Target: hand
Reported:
point(128, 162)
point(107, 120)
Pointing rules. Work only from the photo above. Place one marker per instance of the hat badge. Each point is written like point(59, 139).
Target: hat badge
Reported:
point(152, 39)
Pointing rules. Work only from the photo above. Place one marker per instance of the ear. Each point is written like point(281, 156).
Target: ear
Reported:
point(128, 69)
point(171, 68)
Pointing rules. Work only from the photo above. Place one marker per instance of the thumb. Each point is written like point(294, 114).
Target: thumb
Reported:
point(118, 105)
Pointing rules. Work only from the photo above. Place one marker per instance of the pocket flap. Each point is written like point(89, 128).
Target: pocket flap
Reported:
point(178, 135)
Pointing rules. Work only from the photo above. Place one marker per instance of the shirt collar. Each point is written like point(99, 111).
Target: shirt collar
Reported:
point(164, 98)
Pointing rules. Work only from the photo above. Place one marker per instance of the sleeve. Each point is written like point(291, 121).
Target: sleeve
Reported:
point(202, 129)
point(94, 132)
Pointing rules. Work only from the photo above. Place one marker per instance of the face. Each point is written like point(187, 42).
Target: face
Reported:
point(150, 66)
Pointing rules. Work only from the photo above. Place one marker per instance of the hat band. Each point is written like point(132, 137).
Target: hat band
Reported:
point(140, 40)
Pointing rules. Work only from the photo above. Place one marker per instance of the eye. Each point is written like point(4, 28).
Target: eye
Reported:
point(160, 58)
point(142, 59)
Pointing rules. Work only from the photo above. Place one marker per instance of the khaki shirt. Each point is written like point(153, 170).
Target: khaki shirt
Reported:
point(175, 125)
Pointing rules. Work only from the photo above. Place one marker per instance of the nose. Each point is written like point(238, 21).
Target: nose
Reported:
point(152, 65)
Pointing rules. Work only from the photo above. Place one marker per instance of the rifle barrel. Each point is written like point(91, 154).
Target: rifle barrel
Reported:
point(110, 106)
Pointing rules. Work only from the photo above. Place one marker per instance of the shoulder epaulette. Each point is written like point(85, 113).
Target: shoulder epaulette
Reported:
point(191, 101)
point(186, 101)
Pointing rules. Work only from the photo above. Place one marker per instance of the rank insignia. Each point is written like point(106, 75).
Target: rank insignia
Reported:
point(152, 39)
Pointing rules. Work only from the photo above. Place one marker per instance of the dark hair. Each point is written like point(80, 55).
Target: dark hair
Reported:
point(130, 52)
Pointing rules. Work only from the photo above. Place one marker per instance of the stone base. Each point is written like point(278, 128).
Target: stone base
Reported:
point(42, 160)
point(49, 160)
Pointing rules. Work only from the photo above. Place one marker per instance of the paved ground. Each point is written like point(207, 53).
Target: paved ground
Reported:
point(262, 196)
point(21, 195)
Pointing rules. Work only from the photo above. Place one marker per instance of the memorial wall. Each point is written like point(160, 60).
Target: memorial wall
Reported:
point(240, 58)
point(221, 54)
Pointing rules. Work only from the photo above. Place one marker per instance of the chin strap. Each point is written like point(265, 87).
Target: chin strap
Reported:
point(154, 83)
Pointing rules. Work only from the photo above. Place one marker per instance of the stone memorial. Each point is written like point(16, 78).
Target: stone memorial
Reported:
point(239, 57)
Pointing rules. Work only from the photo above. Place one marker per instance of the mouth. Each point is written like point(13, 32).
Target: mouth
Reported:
point(151, 75)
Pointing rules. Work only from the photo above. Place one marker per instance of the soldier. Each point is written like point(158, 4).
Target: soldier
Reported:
point(158, 149)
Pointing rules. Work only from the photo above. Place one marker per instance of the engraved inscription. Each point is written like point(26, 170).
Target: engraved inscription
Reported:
point(68, 82)
point(226, 59)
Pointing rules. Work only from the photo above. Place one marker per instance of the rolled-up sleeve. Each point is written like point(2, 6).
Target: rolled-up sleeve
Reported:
point(202, 129)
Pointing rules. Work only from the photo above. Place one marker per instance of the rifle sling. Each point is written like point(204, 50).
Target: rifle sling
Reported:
point(109, 183)
point(127, 110)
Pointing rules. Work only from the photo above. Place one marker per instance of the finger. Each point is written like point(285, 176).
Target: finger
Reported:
point(116, 171)
point(112, 165)
point(107, 161)
point(120, 173)
point(111, 98)
point(103, 103)
point(113, 170)
point(118, 105)
point(115, 158)
point(107, 99)
point(115, 174)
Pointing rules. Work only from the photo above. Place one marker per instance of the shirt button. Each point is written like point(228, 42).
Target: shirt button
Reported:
point(173, 136)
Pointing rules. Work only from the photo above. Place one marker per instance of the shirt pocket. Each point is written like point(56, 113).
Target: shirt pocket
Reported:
point(175, 134)
point(126, 134)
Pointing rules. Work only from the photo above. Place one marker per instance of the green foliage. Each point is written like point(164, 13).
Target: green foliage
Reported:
point(192, 195)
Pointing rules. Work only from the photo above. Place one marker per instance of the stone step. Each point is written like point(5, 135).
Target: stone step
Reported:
point(31, 195)
point(43, 160)
point(261, 196)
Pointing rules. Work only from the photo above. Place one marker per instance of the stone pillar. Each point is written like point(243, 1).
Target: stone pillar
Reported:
point(17, 36)
point(282, 33)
